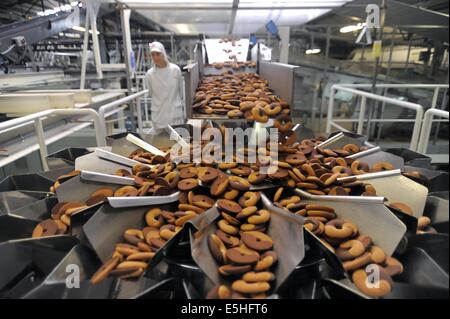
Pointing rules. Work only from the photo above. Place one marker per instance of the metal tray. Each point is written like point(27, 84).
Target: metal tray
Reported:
point(411, 158)
point(29, 262)
point(376, 155)
point(339, 139)
point(436, 181)
point(422, 270)
point(100, 161)
point(54, 286)
point(26, 182)
point(124, 147)
point(438, 210)
point(21, 223)
point(285, 229)
point(11, 201)
point(65, 157)
point(442, 194)
point(435, 245)
point(370, 215)
point(78, 189)
point(105, 229)
point(55, 173)
point(14, 227)
point(37, 211)
point(111, 138)
point(319, 263)
point(396, 188)
point(371, 156)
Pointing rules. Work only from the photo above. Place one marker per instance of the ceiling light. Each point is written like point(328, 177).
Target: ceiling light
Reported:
point(82, 29)
point(352, 28)
point(78, 28)
point(312, 51)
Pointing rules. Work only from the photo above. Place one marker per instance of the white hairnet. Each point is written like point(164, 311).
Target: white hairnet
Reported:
point(159, 47)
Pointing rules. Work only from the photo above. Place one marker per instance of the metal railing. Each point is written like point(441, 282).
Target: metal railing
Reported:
point(426, 127)
point(363, 106)
point(436, 88)
point(99, 118)
point(39, 127)
point(107, 107)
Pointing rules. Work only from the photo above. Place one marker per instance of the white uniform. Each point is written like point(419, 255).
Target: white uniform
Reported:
point(164, 88)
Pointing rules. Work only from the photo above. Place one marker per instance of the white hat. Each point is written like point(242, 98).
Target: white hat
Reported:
point(157, 47)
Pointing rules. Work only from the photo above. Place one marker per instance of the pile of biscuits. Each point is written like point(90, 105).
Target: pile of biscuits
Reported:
point(59, 223)
point(154, 180)
point(356, 251)
point(242, 95)
point(234, 65)
point(243, 249)
point(317, 169)
point(145, 157)
point(131, 258)
point(318, 175)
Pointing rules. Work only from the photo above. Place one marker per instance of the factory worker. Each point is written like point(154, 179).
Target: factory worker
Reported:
point(164, 84)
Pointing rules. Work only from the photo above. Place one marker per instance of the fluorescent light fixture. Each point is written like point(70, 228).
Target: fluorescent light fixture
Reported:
point(82, 29)
point(352, 28)
point(72, 35)
point(312, 51)
point(78, 28)
point(65, 7)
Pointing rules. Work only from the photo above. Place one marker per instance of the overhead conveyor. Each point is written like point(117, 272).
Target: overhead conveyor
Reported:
point(16, 37)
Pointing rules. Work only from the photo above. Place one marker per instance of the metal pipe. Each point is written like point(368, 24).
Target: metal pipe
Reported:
point(43, 152)
point(435, 98)
point(330, 108)
point(443, 104)
point(426, 128)
point(37, 119)
point(397, 86)
point(410, 36)
point(412, 106)
point(139, 115)
point(341, 128)
point(85, 49)
point(31, 117)
point(382, 121)
point(324, 76)
point(362, 113)
point(126, 38)
point(388, 74)
point(105, 108)
point(143, 6)
point(172, 47)
point(383, 10)
point(99, 136)
point(96, 45)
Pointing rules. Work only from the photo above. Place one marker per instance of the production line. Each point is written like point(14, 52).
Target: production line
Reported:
point(263, 151)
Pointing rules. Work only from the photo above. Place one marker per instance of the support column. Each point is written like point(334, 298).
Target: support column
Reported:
point(126, 40)
point(85, 49)
point(284, 52)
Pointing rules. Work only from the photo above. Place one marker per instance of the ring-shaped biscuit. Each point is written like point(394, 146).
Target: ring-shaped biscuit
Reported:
point(359, 168)
point(249, 199)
